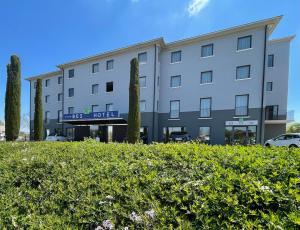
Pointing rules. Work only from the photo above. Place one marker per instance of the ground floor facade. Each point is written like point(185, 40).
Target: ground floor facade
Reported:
point(221, 128)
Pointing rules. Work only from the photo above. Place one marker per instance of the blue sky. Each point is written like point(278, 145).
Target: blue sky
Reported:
point(45, 33)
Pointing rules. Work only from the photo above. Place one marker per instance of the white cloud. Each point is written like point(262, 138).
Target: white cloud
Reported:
point(195, 6)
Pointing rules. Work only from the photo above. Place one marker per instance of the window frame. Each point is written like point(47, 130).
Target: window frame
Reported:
point(109, 104)
point(144, 77)
point(170, 112)
point(209, 132)
point(69, 92)
point(203, 83)
point(95, 93)
point(248, 99)
point(239, 38)
point(143, 101)
point(59, 80)
point(242, 66)
point(71, 108)
point(172, 77)
point(59, 120)
point(92, 108)
point(269, 83)
point(47, 118)
point(178, 51)
point(142, 53)
point(47, 97)
point(73, 73)
point(107, 64)
point(273, 58)
point(94, 65)
point(205, 46)
point(112, 84)
point(58, 96)
point(47, 83)
point(205, 98)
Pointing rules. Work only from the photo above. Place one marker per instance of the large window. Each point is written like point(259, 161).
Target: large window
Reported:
point(71, 92)
point(174, 109)
point(207, 50)
point(109, 64)
point(59, 80)
point(204, 134)
point(206, 77)
point(142, 105)
point(205, 107)
point(243, 72)
point(59, 116)
point(175, 81)
point(95, 89)
point(241, 105)
point(143, 81)
point(95, 68)
point(109, 107)
point(269, 86)
point(270, 60)
point(176, 56)
point(95, 108)
point(142, 57)
point(109, 86)
point(244, 43)
point(71, 73)
point(59, 97)
point(70, 110)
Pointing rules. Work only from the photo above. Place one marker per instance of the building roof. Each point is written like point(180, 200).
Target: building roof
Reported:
point(271, 24)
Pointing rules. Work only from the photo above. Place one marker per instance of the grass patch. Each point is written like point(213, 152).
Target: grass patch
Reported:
point(162, 186)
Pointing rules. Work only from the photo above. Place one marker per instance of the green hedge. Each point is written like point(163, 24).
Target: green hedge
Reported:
point(87, 185)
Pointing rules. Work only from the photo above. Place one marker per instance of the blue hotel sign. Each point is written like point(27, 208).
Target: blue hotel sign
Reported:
point(91, 116)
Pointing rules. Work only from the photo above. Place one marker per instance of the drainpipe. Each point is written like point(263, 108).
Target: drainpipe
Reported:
point(263, 89)
point(154, 93)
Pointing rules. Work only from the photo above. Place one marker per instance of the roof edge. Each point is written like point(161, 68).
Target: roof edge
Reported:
point(284, 39)
point(44, 75)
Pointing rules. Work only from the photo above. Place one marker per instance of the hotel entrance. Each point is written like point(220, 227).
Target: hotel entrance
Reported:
point(241, 132)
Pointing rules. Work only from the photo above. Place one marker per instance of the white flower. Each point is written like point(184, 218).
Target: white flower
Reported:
point(24, 159)
point(109, 197)
point(107, 224)
point(99, 228)
point(126, 228)
point(135, 218)
point(266, 188)
point(150, 213)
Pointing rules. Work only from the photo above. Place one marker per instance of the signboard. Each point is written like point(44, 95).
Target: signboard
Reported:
point(241, 122)
point(91, 116)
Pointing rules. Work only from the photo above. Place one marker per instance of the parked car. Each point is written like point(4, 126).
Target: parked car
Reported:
point(179, 136)
point(288, 140)
point(56, 138)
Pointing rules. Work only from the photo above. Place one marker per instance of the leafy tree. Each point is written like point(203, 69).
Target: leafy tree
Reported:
point(38, 113)
point(134, 116)
point(294, 128)
point(13, 99)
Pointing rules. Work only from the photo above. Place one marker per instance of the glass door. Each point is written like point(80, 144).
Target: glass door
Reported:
point(240, 135)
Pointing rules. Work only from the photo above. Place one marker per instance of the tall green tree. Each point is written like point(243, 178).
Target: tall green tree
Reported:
point(13, 99)
point(38, 113)
point(294, 128)
point(134, 116)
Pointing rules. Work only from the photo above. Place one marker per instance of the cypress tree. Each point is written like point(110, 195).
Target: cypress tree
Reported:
point(134, 116)
point(38, 112)
point(13, 99)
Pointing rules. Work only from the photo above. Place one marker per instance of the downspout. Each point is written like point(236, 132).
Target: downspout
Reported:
point(263, 89)
point(154, 92)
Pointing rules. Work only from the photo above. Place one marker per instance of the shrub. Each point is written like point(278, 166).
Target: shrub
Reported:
point(162, 186)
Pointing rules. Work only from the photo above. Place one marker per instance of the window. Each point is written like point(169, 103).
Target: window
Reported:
point(109, 107)
point(95, 108)
point(142, 57)
point(95, 89)
point(204, 134)
point(95, 68)
point(59, 116)
point(243, 72)
point(59, 97)
point(34, 85)
point(47, 83)
point(206, 77)
point(109, 86)
point(47, 117)
point(175, 81)
point(70, 133)
point(241, 105)
point(109, 64)
point(271, 112)
point(71, 92)
point(270, 60)
point(143, 106)
point(143, 82)
point(47, 98)
point(205, 107)
point(176, 56)
point(207, 50)
point(269, 86)
point(71, 73)
point(70, 110)
point(244, 43)
point(59, 80)
point(174, 109)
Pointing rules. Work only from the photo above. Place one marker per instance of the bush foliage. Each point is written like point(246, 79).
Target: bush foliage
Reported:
point(86, 185)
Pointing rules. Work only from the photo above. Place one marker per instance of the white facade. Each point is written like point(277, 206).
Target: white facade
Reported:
point(156, 95)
